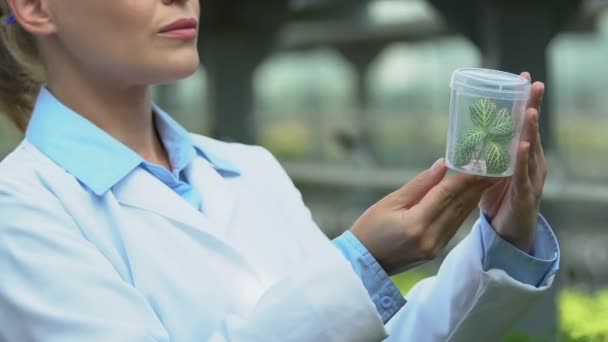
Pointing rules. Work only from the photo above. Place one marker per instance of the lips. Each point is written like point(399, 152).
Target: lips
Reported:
point(185, 29)
point(181, 24)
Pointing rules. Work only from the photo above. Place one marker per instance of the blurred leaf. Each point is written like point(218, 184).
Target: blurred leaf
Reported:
point(497, 158)
point(483, 113)
point(502, 126)
point(584, 317)
point(405, 281)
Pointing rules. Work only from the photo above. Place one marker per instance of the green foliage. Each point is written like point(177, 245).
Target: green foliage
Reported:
point(483, 112)
point(502, 126)
point(584, 317)
point(497, 158)
point(488, 140)
point(406, 280)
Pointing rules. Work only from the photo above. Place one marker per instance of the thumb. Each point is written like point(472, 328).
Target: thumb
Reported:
point(412, 192)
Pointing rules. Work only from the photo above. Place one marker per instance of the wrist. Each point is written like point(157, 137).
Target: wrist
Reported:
point(519, 234)
point(524, 243)
point(381, 248)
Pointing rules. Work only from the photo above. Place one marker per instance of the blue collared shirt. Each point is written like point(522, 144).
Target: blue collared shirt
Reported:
point(532, 269)
point(108, 165)
point(115, 161)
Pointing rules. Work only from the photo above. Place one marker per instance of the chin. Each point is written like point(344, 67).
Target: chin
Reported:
point(177, 69)
point(177, 74)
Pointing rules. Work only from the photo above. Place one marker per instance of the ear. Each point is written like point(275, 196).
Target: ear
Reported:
point(33, 16)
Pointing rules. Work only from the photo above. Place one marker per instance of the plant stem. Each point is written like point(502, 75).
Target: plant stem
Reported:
point(482, 150)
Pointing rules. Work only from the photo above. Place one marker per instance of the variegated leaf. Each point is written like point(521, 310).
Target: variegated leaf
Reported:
point(497, 158)
point(502, 125)
point(462, 154)
point(472, 138)
point(504, 140)
point(483, 113)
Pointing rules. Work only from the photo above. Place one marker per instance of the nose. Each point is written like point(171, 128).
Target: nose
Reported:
point(169, 2)
point(179, 2)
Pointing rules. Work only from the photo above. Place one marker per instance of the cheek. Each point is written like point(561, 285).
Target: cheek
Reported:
point(178, 57)
point(134, 54)
point(103, 39)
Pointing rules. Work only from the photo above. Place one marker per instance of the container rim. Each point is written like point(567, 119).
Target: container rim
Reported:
point(489, 81)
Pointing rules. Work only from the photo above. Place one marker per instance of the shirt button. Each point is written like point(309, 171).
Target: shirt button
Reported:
point(387, 302)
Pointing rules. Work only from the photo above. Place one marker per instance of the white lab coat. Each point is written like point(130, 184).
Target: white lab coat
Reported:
point(140, 264)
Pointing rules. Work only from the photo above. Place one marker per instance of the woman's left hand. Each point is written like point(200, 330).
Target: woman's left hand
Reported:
point(513, 204)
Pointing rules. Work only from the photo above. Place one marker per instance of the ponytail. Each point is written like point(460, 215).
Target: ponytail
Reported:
point(20, 71)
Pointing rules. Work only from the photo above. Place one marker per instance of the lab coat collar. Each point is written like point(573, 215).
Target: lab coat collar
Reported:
point(96, 158)
point(142, 190)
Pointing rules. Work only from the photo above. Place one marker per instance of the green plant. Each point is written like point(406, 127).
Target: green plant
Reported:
point(488, 140)
point(407, 280)
point(584, 316)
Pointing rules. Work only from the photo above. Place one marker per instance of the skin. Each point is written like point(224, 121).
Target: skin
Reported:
point(513, 204)
point(413, 224)
point(101, 57)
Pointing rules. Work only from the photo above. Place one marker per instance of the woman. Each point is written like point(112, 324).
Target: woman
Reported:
point(118, 225)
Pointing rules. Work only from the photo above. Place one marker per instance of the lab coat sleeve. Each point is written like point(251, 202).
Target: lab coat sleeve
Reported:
point(463, 302)
point(322, 299)
point(57, 286)
point(380, 287)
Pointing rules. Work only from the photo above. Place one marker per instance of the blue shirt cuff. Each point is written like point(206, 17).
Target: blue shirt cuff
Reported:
point(383, 292)
point(532, 269)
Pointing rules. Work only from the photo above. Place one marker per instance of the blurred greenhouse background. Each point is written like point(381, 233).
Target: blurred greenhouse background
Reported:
point(352, 97)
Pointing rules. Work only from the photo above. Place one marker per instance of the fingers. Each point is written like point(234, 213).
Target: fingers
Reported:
point(537, 163)
point(456, 197)
point(413, 191)
point(537, 168)
point(540, 162)
point(531, 133)
point(490, 201)
point(447, 222)
point(537, 92)
point(537, 95)
point(538, 148)
point(521, 175)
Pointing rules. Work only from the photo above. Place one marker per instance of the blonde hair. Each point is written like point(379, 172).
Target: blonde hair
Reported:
point(20, 70)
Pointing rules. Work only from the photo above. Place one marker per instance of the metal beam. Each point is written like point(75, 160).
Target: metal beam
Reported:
point(387, 179)
point(235, 37)
point(306, 35)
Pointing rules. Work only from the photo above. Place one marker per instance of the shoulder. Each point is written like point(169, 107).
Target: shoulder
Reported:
point(27, 172)
point(260, 170)
point(31, 208)
point(247, 158)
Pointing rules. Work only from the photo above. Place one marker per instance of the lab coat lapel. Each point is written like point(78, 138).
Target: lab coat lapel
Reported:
point(218, 194)
point(142, 190)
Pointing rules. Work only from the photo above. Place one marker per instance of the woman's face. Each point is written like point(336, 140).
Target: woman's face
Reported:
point(129, 41)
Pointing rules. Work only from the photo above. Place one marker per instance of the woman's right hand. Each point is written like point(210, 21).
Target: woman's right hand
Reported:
point(413, 224)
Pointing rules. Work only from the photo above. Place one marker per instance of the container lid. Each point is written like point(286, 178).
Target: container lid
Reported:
point(490, 83)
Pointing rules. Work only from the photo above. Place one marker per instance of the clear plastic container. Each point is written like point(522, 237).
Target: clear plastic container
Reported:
point(487, 112)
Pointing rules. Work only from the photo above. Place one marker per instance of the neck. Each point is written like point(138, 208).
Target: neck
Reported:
point(124, 112)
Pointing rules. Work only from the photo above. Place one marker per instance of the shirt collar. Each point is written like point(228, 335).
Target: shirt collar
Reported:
point(178, 142)
point(96, 158)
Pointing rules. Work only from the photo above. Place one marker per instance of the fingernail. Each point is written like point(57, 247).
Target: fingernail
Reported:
point(437, 166)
